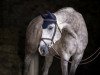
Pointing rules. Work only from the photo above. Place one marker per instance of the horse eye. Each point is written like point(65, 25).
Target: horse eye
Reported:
point(50, 27)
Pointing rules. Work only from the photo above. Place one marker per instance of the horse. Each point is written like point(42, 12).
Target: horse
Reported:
point(63, 33)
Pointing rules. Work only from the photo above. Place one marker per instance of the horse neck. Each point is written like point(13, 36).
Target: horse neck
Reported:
point(63, 15)
point(61, 18)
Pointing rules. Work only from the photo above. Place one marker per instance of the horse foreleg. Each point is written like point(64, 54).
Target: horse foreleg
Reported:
point(64, 63)
point(48, 62)
point(75, 62)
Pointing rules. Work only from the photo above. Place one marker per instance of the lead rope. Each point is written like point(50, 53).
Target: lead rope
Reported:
point(83, 59)
point(90, 57)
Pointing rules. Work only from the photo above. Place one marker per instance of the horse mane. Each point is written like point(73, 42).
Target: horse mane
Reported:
point(33, 34)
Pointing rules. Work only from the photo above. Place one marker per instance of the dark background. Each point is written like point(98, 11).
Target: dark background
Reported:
point(15, 17)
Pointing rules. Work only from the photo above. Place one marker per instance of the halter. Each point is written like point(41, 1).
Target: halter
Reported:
point(51, 39)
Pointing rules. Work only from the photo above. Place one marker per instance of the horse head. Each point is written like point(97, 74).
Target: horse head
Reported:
point(50, 33)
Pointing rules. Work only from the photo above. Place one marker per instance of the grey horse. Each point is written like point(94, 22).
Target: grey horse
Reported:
point(62, 33)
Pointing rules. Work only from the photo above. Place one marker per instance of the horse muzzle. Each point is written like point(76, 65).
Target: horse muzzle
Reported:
point(43, 50)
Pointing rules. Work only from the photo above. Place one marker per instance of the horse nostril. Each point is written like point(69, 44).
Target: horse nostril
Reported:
point(42, 50)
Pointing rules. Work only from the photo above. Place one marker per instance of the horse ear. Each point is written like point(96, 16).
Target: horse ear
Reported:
point(50, 14)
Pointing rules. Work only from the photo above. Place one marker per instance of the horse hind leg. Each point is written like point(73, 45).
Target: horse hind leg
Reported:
point(75, 62)
point(48, 62)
